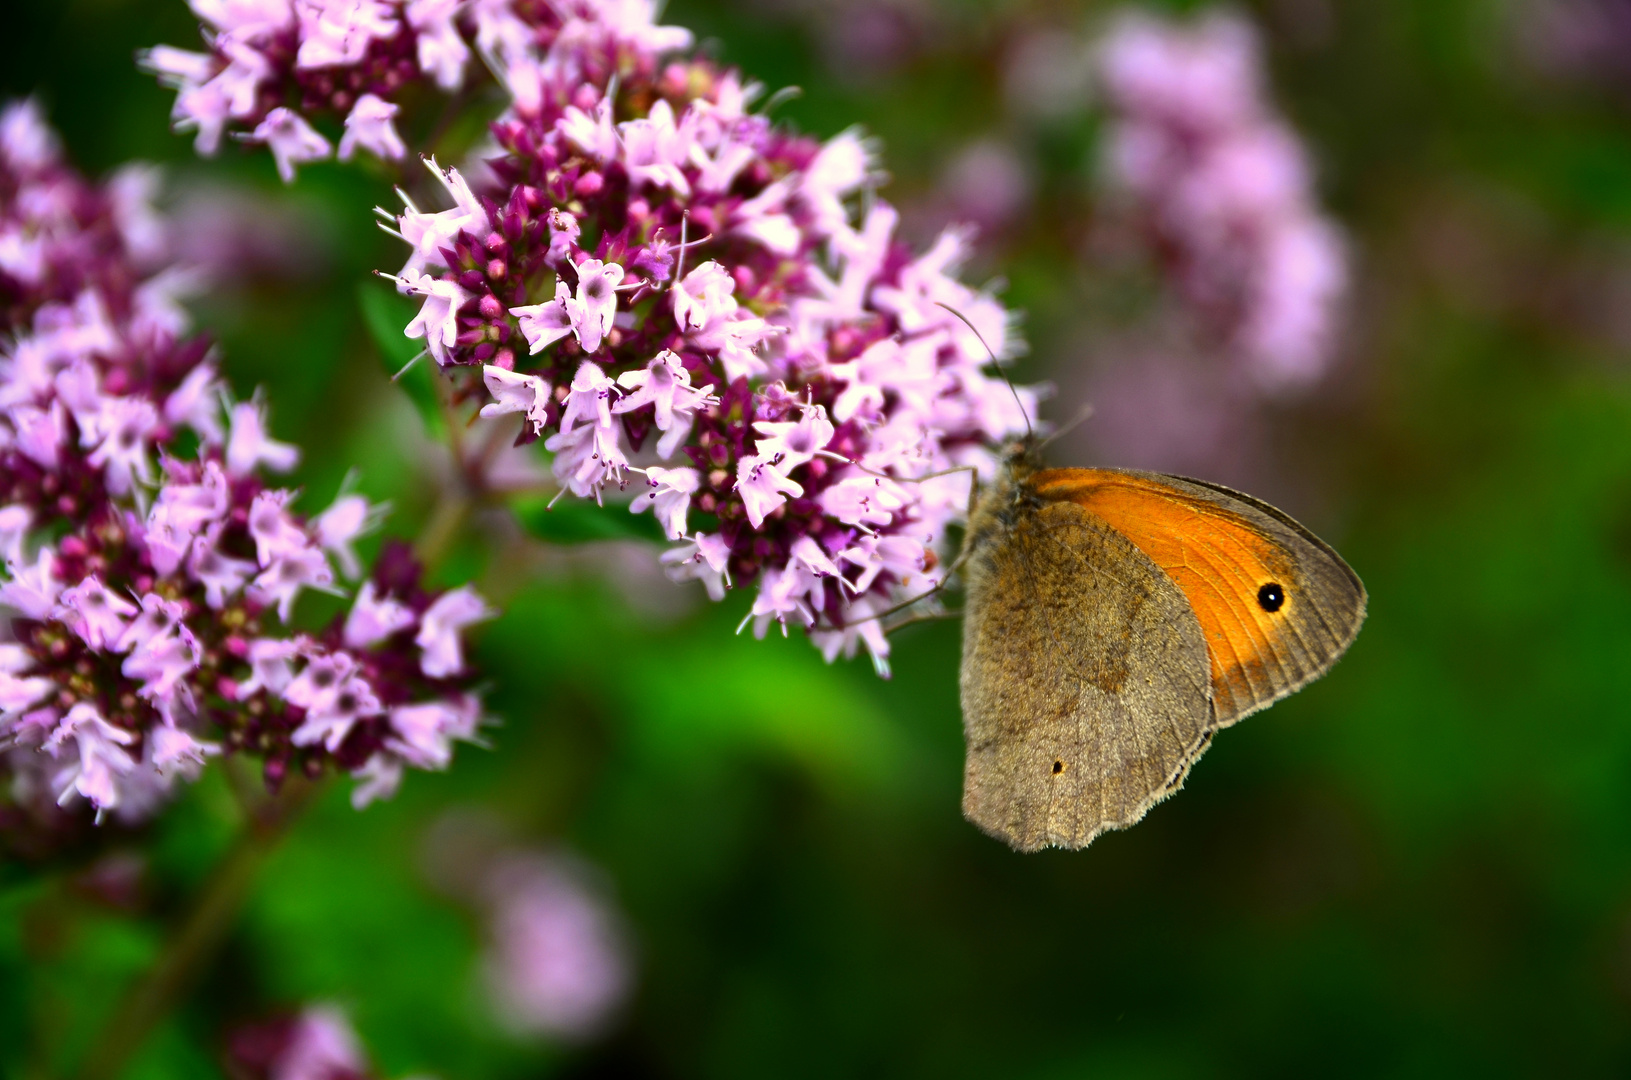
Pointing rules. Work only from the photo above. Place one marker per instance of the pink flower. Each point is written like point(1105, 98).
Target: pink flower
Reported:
point(705, 297)
point(371, 126)
point(161, 661)
point(704, 557)
point(220, 574)
point(1222, 187)
point(442, 53)
point(99, 757)
point(374, 618)
point(379, 778)
point(841, 168)
point(863, 628)
point(292, 141)
point(594, 135)
point(271, 664)
point(26, 142)
point(15, 522)
point(556, 963)
point(93, 347)
point(440, 628)
point(512, 393)
point(864, 500)
point(320, 680)
point(793, 443)
point(349, 517)
point(318, 1045)
point(544, 324)
point(94, 612)
point(424, 733)
point(588, 447)
point(273, 529)
point(122, 432)
point(196, 402)
point(595, 303)
point(438, 320)
point(665, 385)
point(669, 498)
point(429, 233)
point(281, 582)
point(174, 751)
point(250, 446)
point(19, 693)
point(335, 33)
point(41, 432)
point(158, 619)
point(33, 589)
point(331, 715)
point(764, 486)
point(654, 149)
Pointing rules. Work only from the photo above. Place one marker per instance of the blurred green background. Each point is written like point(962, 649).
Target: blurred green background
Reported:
point(1421, 865)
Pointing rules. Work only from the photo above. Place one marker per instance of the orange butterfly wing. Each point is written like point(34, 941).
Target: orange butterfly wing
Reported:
point(1223, 550)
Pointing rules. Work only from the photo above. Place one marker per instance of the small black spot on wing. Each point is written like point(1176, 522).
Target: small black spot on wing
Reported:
point(1271, 597)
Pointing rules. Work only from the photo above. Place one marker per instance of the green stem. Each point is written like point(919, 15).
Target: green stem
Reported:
point(442, 530)
point(211, 917)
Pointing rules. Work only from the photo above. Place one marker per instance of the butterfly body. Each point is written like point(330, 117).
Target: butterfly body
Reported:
point(1114, 621)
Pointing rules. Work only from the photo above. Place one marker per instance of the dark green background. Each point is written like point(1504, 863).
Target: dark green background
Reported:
point(1419, 866)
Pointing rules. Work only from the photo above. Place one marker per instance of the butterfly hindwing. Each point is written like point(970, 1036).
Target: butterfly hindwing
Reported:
point(1085, 681)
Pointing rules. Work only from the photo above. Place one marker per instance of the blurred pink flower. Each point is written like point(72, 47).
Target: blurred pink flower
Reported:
point(1223, 188)
point(318, 1043)
point(556, 962)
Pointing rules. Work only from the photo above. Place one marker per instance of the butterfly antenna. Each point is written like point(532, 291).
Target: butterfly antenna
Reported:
point(1030, 433)
point(1081, 414)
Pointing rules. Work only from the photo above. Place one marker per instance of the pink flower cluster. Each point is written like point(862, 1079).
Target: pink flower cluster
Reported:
point(274, 66)
point(675, 295)
point(1223, 186)
point(147, 588)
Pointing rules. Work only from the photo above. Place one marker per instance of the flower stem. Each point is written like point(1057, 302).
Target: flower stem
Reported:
point(211, 917)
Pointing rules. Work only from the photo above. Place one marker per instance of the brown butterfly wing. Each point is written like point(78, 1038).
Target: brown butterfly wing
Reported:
point(1223, 550)
point(1085, 680)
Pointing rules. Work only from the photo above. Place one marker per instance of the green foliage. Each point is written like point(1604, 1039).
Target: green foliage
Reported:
point(578, 521)
point(385, 313)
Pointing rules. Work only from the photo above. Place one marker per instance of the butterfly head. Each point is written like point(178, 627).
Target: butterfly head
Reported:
point(1022, 456)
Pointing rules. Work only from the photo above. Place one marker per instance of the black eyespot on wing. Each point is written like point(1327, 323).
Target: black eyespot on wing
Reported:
point(1058, 767)
point(1271, 597)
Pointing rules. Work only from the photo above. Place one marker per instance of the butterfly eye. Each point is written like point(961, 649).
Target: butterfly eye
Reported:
point(1270, 597)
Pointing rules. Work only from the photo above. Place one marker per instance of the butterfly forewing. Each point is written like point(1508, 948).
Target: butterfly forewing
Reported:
point(1276, 604)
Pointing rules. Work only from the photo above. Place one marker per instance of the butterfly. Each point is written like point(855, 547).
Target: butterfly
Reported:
point(1113, 621)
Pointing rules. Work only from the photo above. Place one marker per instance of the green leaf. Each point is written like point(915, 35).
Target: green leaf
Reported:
point(582, 521)
point(385, 313)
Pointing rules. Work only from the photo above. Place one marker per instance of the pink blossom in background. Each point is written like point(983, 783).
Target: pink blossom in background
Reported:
point(1170, 412)
point(556, 960)
point(1575, 40)
point(1223, 187)
point(555, 963)
point(987, 185)
point(146, 595)
point(318, 1043)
